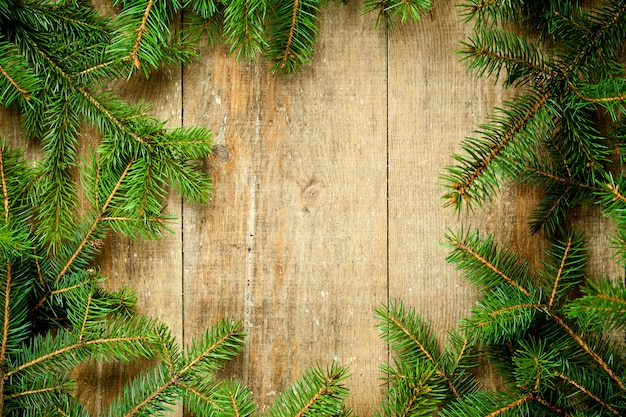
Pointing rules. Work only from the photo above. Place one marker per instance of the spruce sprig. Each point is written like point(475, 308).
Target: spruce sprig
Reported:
point(294, 26)
point(552, 125)
point(320, 392)
point(391, 10)
point(144, 37)
point(423, 377)
point(556, 351)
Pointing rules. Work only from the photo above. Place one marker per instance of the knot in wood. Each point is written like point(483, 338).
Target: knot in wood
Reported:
point(311, 197)
point(221, 153)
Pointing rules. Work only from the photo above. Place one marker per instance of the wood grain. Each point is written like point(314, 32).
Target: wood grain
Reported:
point(294, 242)
point(327, 202)
point(433, 104)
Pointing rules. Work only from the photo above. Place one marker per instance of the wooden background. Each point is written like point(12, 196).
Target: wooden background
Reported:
point(327, 202)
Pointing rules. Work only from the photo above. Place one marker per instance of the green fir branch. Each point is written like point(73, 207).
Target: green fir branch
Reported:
point(294, 26)
point(488, 266)
point(565, 268)
point(244, 28)
point(508, 142)
point(497, 153)
point(227, 398)
point(123, 340)
point(17, 81)
point(491, 51)
point(144, 38)
point(155, 391)
point(495, 10)
point(414, 390)
point(319, 392)
point(389, 10)
point(422, 378)
point(602, 306)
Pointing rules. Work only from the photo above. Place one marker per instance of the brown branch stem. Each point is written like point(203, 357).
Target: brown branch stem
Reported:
point(462, 246)
point(560, 272)
point(142, 30)
point(69, 348)
point(14, 83)
point(597, 359)
point(292, 29)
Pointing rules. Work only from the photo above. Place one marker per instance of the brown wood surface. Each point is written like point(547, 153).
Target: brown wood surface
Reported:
point(295, 240)
point(327, 202)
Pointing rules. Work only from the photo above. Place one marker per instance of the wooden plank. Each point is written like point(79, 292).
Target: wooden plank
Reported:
point(294, 242)
point(433, 104)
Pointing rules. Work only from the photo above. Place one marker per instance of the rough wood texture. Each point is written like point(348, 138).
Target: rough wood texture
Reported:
point(295, 241)
point(327, 202)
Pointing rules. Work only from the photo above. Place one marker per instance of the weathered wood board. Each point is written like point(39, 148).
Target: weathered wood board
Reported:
point(295, 240)
point(327, 202)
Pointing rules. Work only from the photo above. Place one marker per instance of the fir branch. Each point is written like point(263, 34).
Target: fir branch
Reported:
point(6, 315)
point(95, 223)
point(134, 53)
point(144, 38)
point(568, 180)
point(602, 306)
point(492, 50)
point(292, 28)
point(18, 81)
point(483, 404)
point(551, 210)
point(73, 18)
point(405, 332)
point(502, 315)
point(294, 25)
point(228, 398)
point(559, 273)
point(494, 314)
point(389, 9)
point(63, 352)
point(414, 344)
point(318, 393)
point(35, 392)
point(157, 396)
point(573, 20)
point(609, 91)
point(485, 264)
point(486, 160)
point(581, 144)
point(81, 333)
point(567, 267)
point(561, 193)
point(205, 398)
point(588, 393)
point(97, 102)
point(204, 17)
point(415, 389)
point(495, 9)
point(511, 405)
point(5, 190)
point(22, 91)
point(596, 358)
point(551, 406)
point(244, 28)
point(607, 23)
point(58, 291)
point(153, 390)
point(474, 180)
point(458, 360)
